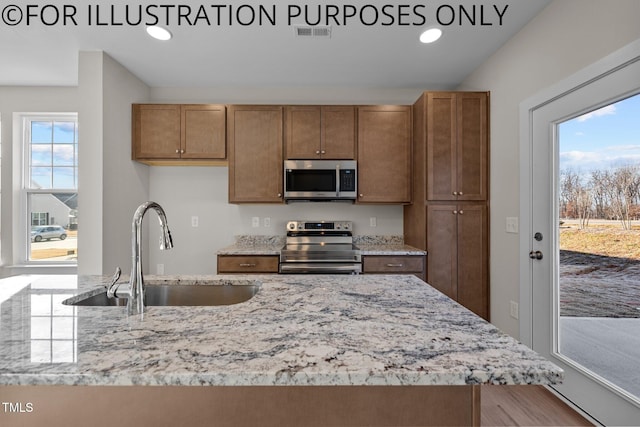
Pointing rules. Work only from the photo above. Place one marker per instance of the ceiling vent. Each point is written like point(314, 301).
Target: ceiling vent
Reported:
point(324, 32)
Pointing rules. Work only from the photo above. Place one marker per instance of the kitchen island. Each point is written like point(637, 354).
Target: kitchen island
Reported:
point(385, 349)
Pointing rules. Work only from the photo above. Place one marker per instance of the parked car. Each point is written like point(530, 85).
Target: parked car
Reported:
point(47, 232)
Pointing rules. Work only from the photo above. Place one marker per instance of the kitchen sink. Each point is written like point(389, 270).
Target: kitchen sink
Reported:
point(178, 295)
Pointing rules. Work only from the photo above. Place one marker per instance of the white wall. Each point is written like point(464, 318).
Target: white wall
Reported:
point(111, 185)
point(203, 191)
point(565, 37)
point(90, 171)
point(125, 183)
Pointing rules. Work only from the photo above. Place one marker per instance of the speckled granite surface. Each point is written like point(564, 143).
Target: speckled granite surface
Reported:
point(254, 245)
point(271, 245)
point(297, 330)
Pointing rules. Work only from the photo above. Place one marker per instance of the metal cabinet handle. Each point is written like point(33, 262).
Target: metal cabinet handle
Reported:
point(247, 264)
point(395, 265)
point(279, 194)
point(317, 151)
point(323, 152)
point(177, 151)
point(182, 151)
point(455, 212)
point(461, 212)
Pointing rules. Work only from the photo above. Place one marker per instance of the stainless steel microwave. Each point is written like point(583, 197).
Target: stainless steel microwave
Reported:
point(320, 180)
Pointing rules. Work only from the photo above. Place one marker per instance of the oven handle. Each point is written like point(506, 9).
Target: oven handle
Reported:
point(338, 180)
point(321, 268)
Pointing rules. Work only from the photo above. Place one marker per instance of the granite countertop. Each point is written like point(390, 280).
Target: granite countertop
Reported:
point(297, 330)
point(271, 245)
point(254, 245)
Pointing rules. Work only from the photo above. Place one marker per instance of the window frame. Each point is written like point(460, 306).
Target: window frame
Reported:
point(25, 211)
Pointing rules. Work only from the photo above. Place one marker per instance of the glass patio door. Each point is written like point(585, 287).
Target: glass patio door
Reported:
point(585, 269)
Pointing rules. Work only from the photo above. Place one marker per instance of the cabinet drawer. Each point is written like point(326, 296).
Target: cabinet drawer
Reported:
point(248, 264)
point(393, 263)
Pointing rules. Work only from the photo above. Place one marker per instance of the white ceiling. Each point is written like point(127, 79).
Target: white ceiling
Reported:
point(356, 55)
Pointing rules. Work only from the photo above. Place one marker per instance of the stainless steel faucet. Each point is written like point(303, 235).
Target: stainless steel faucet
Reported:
point(134, 291)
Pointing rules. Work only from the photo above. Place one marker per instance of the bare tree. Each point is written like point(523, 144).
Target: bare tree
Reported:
point(599, 195)
point(569, 183)
point(576, 200)
point(584, 202)
point(622, 185)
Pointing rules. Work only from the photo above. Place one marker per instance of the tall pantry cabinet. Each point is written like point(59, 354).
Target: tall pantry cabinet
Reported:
point(449, 214)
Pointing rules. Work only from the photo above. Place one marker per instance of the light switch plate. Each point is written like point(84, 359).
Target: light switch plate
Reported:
point(512, 224)
point(255, 221)
point(514, 309)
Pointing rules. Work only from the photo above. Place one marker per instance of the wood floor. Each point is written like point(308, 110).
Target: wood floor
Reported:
point(526, 406)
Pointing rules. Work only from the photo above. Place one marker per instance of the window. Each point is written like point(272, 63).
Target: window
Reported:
point(51, 187)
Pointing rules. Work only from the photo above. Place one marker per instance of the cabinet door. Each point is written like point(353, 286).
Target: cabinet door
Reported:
point(441, 146)
point(338, 132)
point(255, 153)
point(442, 251)
point(384, 154)
point(303, 132)
point(472, 258)
point(156, 131)
point(457, 148)
point(472, 146)
point(203, 133)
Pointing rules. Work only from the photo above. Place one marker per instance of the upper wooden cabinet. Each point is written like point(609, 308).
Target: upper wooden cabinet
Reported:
point(456, 125)
point(320, 132)
point(173, 132)
point(384, 154)
point(254, 135)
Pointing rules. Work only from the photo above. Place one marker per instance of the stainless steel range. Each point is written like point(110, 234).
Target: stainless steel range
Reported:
point(320, 247)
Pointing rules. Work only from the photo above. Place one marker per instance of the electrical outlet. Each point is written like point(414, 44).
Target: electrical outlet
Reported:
point(266, 222)
point(512, 224)
point(194, 221)
point(159, 269)
point(373, 222)
point(255, 221)
point(513, 309)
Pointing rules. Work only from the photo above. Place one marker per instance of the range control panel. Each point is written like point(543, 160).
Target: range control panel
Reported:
point(305, 225)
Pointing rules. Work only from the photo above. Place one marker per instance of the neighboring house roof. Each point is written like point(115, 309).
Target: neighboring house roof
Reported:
point(69, 199)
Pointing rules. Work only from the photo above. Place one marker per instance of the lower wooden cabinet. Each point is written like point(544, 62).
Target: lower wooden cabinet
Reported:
point(394, 264)
point(248, 264)
point(457, 243)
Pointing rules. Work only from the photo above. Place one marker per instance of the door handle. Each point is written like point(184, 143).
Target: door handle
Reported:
point(535, 255)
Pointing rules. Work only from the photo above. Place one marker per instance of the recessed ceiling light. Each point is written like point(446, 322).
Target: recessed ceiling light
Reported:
point(430, 35)
point(159, 33)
